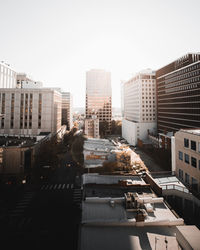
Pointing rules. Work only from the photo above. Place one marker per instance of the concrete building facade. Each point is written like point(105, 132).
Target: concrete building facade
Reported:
point(29, 111)
point(92, 127)
point(139, 106)
point(187, 157)
point(99, 95)
point(67, 110)
point(178, 94)
point(8, 77)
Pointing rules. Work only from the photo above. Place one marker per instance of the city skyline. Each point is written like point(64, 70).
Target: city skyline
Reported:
point(57, 42)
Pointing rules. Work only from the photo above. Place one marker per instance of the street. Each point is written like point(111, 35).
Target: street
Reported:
point(47, 214)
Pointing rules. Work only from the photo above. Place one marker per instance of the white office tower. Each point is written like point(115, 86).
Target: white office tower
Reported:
point(139, 106)
point(25, 81)
point(8, 77)
point(29, 111)
point(99, 95)
point(67, 110)
point(92, 127)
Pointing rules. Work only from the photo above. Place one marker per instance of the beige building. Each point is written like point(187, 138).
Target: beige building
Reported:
point(187, 157)
point(8, 77)
point(29, 111)
point(99, 95)
point(92, 127)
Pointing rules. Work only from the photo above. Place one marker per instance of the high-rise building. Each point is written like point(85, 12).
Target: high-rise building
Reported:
point(29, 111)
point(139, 106)
point(67, 106)
point(8, 77)
point(178, 94)
point(99, 95)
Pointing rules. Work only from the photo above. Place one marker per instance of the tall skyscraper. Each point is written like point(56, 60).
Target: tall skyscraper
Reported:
point(99, 95)
point(139, 106)
point(178, 94)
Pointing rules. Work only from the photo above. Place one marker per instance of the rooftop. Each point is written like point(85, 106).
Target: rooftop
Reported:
point(98, 145)
point(128, 238)
point(191, 131)
point(18, 141)
point(110, 179)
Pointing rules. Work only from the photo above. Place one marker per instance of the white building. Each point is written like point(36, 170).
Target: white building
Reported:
point(139, 106)
point(25, 81)
point(8, 77)
point(92, 127)
point(99, 95)
point(67, 107)
point(29, 111)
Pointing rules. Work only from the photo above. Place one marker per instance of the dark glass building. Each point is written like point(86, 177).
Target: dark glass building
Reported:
point(178, 94)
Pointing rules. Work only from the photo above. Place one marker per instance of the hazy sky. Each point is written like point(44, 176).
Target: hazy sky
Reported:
point(57, 41)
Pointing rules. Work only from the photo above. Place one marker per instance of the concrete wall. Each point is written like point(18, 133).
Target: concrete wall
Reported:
point(131, 131)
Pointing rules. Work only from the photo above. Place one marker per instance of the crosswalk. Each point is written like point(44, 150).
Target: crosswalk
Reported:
point(57, 186)
point(22, 204)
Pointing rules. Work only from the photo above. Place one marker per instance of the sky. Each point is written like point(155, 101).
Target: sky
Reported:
point(57, 41)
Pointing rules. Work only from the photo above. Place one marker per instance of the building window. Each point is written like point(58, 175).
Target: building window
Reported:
point(194, 184)
point(187, 159)
point(193, 145)
point(180, 155)
point(186, 143)
point(187, 178)
point(194, 162)
point(199, 147)
point(180, 173)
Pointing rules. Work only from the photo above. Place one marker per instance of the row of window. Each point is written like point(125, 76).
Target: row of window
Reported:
point(192, 144)
point(183, 71)
point(187, 179)
point(188, 159)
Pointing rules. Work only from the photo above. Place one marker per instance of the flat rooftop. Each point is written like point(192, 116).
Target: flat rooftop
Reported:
point(128, 238)
point(99, 211)
point(98, 145)
point(110, 179)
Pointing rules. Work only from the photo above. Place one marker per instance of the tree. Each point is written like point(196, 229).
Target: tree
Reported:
point(103, 128)
point(116, 127)
point(77, 149)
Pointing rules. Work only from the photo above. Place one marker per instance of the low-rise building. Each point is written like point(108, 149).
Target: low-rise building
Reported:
point(187, 157)
point(123, 212)
point(17, 154)
point(92, 127)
